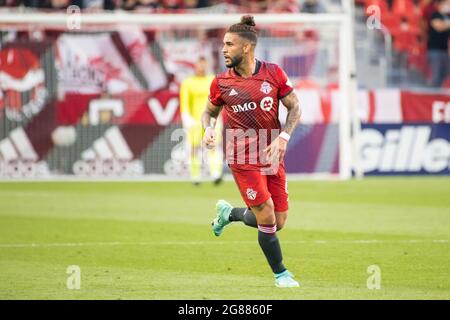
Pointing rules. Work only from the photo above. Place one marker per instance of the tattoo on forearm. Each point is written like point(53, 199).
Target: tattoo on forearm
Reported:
point(211, 111)
point(214, 111)
point(292, 119)
point(294, 112)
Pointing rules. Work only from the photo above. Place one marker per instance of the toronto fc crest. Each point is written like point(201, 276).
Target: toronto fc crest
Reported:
point(251, 194)
point(265, 87)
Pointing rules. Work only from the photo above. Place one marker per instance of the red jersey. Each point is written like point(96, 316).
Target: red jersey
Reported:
point(251, 105)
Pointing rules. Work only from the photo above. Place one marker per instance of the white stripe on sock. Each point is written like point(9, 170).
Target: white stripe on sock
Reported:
point(267, 229)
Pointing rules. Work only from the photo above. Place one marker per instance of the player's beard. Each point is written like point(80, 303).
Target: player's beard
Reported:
point(234, 61)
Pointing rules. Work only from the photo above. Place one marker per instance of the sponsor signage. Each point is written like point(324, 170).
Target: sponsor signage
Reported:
point(393, 149)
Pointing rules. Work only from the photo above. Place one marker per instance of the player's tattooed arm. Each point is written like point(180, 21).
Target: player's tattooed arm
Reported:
point(211, 111)
point(294, 112)
point(277, 149)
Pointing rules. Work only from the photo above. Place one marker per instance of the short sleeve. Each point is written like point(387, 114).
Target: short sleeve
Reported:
point(215, 96)
point(284, 84)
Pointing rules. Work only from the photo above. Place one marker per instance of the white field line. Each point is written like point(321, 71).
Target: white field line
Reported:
point(159, 178)
point(201, 243)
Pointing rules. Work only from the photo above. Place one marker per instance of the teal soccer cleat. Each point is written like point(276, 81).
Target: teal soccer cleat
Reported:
point(285, 280)
point(223, 210)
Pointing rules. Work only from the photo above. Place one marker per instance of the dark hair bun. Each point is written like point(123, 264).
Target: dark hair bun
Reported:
point(248, 20)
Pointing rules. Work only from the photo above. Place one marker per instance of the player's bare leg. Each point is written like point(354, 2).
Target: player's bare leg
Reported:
point(281, 218)
point(269, 243)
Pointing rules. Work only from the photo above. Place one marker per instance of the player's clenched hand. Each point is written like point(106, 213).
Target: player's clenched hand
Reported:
point(276, 150)
point(210, 138)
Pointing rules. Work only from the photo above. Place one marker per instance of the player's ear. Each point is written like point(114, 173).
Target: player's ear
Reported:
point(247, 47)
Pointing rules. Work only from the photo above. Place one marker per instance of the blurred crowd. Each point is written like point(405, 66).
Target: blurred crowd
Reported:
point(254, 6)
point(420, 31)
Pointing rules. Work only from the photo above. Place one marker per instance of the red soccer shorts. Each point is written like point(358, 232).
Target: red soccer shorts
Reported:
point(256, 187)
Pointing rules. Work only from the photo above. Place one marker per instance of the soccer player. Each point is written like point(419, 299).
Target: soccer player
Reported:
point(249, 92)
point(193, 96)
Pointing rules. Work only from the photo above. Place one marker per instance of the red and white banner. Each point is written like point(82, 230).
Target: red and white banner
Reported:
point(377, 106)
point(151, 108)
point(180, 55)
point(107, 63)
point(433, 108)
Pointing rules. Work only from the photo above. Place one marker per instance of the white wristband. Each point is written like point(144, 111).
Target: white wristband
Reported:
point(284, 135)
point(208, 128)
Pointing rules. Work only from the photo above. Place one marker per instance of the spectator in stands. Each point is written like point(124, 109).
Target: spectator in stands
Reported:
point(57, 4)
point(151, 4)
point(129, 4)
point(172, 4)
point(31, 3)
point(92, 4)
point(438, 37)
point(195, 4)
point(253, 6)
point(97, 4)
point(281, 6)
point(312, 6)
point(10, 3)
point(63, 4)
point(427, 7)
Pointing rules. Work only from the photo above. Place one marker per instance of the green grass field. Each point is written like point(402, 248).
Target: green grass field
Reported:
point(148, 240)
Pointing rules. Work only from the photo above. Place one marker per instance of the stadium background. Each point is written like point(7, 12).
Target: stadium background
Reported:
point(105, 104)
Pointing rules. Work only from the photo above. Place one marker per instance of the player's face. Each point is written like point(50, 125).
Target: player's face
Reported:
point(232, 50)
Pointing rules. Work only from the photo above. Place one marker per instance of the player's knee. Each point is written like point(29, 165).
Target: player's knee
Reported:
point(280, 224)
point(265, 212)
point(266, 207)
point(269, 211)
point(281, 219)
point(269, 207)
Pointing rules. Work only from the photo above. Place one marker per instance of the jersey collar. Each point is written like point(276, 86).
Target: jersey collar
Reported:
point(257, 67)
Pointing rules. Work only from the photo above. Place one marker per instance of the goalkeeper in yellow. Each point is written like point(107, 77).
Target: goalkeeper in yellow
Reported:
point(194, 93)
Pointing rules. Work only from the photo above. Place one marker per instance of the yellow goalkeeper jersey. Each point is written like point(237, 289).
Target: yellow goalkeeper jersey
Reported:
point(194, 93)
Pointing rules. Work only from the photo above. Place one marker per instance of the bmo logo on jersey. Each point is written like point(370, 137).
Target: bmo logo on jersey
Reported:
point(265, 104)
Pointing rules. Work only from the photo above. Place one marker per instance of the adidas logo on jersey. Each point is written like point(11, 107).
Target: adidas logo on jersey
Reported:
point(233, 92)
